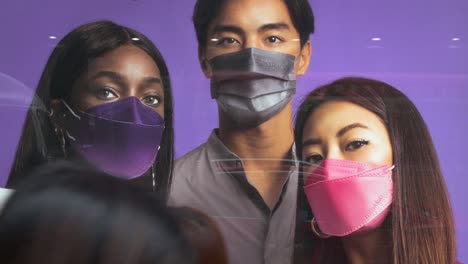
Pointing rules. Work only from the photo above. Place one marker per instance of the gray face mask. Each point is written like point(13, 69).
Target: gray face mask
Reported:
point(252, 85)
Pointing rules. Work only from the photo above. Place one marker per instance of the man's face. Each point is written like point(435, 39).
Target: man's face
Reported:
point(262, 24)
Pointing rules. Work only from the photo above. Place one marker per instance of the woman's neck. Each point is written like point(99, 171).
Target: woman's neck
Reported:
point(368, 248)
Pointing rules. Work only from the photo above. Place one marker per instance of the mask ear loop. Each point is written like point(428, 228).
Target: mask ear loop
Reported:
point(71, 110)
point(60, 135)
point(74, 114)
point(61, 139)
point(316, 229)
point(153, 174)
point(62, 132)
point(154, 181)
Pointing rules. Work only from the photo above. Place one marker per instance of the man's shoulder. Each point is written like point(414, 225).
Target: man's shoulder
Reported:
point(188, 170)
point(195, 156)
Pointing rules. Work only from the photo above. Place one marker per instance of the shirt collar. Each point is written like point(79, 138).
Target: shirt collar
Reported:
point(222, 159)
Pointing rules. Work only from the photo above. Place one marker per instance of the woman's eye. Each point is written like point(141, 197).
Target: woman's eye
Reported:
point(273, 39)
point(152, 100)
point(105, 94)
point(314, 159)
point(356, 144)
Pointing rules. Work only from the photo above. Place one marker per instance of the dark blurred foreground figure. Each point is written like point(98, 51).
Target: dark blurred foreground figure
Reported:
point(203, 235)
point(79, 215)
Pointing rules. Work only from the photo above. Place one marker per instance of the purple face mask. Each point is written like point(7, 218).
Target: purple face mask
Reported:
point(121, 138)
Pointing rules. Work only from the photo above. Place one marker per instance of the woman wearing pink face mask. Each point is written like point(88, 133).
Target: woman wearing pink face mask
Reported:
point(372, 177)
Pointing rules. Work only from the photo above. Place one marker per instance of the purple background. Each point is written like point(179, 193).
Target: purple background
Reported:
point(416, 53)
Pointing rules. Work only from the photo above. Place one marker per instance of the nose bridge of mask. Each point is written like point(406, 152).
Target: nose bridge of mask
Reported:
point(129, 110)
point(253, 63)
point(251, 73)
point(331, 169)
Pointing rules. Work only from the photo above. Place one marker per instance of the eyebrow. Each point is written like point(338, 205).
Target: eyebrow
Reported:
point(110, 74)
point(119, 77)
point(274, 26)
point(228, 28)
point(240, 31)
point(312, 141)
point(151, 80)
point(347, 128)
point(344, 130)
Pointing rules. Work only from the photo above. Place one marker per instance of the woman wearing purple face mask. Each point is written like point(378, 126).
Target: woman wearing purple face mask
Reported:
point(108, 96)
point(371, 177)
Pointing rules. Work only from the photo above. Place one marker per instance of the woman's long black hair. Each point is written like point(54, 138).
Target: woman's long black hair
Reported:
point(421, 224)
point(69, 60)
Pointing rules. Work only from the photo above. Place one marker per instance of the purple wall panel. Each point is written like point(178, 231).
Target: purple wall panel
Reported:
point(416, 53)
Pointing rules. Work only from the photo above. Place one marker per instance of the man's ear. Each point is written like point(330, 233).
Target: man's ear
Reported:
point(204, 62)
point(304, 58)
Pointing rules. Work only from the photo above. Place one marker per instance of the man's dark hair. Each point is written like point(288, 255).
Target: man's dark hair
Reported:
point(205, 12)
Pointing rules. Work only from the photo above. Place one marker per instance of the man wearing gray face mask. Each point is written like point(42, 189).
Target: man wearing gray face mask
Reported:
point(245, 176)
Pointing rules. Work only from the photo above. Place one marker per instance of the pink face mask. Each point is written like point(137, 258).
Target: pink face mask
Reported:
point(349, 197)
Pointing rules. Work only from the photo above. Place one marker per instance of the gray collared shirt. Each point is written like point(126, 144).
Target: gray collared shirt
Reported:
point(212, 179)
